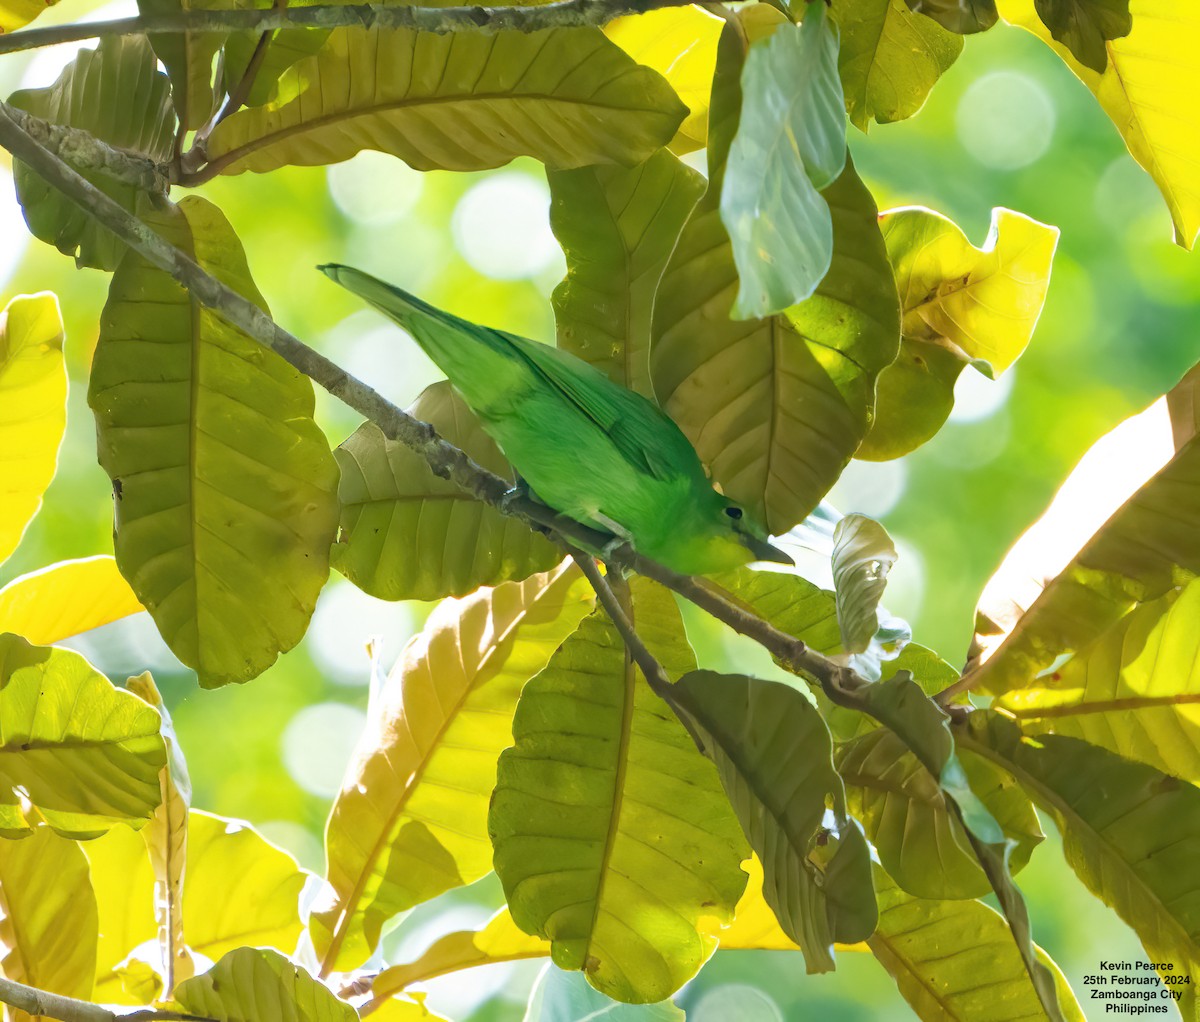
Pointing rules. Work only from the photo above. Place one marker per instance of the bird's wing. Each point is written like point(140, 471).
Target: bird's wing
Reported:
point(637, 429)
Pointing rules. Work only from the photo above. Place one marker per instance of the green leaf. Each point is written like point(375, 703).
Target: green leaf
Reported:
point(1135, 691)
point(82, 753)
point(239, 889)
point(680, 43)
point(407, 534)
point(1085, 26)
point(1183, 407)
point(228, 501)
point(790, 144)
point(115, 93)
point(954, 961)
point(863, 554)
point(1147, 91)
point(773, 753)
point(617, 228)
point(560, 996)
point(16, 14)
point(1131, 833)
point(491, 97)
point(904, 812)
point(285, 47)
point(962, 16)
point(890, 58)
point(613, 838)
point(48, 924)
point(776, 407)
point(411, 819)
point(33, 409)
point(252, 983)
point(962, 305)
point(188, 58)
point(64, 599)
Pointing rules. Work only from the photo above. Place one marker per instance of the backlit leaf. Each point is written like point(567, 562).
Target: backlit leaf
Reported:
point(64, 599)
point(773, 754)
point(617, 228)
point(961, 305)
point(284, 48)
point(1085, 26)
point(227, 503)
point(680, 43)
point(1147, 91)
point(84, 754)
point(115, 93)
point(789, 145)
point(33, 410)
point(188, 59)
point(568, 97)
point(254, 983)
point(962, 16)
point(411, 819)
point(890, 57)
point(612, 835)
point(48, 921)
point(15, 14)
point(407, 534)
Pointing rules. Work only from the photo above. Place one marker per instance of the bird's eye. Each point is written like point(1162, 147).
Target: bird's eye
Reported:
point(734, 512)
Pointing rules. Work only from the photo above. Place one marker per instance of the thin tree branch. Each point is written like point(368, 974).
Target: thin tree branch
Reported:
point(67, 1009)
point(85, 152)
point(441, 20)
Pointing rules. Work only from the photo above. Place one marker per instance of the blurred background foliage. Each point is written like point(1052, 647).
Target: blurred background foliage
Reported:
point(1007, 125)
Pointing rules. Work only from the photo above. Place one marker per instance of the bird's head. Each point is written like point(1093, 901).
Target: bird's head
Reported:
point(746, 531)
point(727, 536)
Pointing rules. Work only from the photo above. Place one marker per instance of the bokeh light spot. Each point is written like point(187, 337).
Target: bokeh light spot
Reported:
point(12, 228)
point(317, 744)
point(976, 397)
point(1006, 120)
point(345, 620)
point(374, 188)
point(735, 1002)
point(870, 487)
point(501, 226)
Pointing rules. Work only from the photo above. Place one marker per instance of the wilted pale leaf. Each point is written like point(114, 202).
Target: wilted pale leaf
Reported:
point(406, 534)
point(86, 755)
point(411, 819)
point(64, 599)
point(890, 57)
point(680, 43)
point(1148, 89)
point(863, 554)
point(226, 490)
point(115, 93)
point(33, 410)
point(617, 228)
point(48, 921)
point(460, 101)
point(612, 835)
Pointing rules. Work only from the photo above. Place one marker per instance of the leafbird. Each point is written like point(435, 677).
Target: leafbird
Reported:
point(585, 446)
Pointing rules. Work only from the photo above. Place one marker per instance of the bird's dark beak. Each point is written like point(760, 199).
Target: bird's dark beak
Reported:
point(763, 551)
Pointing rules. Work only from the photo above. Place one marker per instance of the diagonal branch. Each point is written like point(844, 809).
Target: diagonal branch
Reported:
point(441, 20)
point(37, 1003)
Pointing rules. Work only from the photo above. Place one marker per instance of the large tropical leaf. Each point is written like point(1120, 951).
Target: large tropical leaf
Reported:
point(954, 961)
point(256, 983)
point(1085, 27)
point(84, 754)
point(617, 228)
point(1131, 833)
point(64, 599)
point(903, 809)
point(460, 101)
point(226, 490)
point(407, 534)
point(239, 889)
point(1147, 91)
point(773, 753)
point(33, 409)
point(188, 59)
point(283, 48)
point(560, 996)
point(1135, 691)
point(48, 923)
point(680, 43)
point(961, 305)
point(411, 819)
point(115, 93)
point(889, 59)
point(790, 143)
point(612, 835)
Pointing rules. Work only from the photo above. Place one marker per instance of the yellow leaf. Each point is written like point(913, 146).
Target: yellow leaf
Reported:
point(1149, 91)
point(680, 43)
point(64, 599)
point(411, 819)
point(16, 13)
point(33, 407)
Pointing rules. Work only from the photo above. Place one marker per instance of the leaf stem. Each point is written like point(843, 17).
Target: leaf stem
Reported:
point(36, 1003)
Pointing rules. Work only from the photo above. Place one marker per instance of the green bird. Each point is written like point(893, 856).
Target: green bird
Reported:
point(585, 446)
